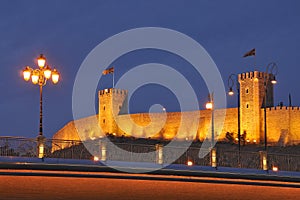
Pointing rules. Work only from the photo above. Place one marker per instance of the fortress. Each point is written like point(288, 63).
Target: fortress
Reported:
point(283, 127)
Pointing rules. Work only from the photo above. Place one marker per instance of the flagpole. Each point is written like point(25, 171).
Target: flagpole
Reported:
point(254, 60)
point(113, 80)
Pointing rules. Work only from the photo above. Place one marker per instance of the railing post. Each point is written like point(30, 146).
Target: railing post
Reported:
point(131, 153)
point(213, 157)
point(72, 149)
point(263, 160)
point(103, 151)
point(6, 146)
point(159, 154)
point(41, 146)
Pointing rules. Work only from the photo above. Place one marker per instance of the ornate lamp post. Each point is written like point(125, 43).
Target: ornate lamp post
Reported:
point(269, 76)
point(39, 76)
point(233, 80)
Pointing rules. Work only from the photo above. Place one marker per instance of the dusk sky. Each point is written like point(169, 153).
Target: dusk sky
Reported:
point(66, 31)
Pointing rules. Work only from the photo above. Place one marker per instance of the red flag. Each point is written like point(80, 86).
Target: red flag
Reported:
point(108, 71)
point(250, 53)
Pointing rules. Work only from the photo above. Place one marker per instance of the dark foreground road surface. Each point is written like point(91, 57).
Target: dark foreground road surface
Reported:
point(90, 185)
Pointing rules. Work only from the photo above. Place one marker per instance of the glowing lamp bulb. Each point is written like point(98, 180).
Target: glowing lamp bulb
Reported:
point(96, 158)
point(41, 61)
point(275, 169)
point(231, 92)
point(273, 81)
point(209, 105)
point(47, 72)
point(189, 163)
point(26, 73)
point(55, 76)
point(35, 78)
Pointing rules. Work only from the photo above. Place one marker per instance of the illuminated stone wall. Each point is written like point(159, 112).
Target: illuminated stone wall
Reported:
point(87, 127)
point(283, 125)
point(163, 125)
point(196, 126)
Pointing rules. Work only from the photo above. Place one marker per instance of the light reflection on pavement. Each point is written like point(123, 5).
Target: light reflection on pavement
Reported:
point(55, 187)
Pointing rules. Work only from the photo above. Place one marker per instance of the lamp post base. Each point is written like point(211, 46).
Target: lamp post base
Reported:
point(40, 146)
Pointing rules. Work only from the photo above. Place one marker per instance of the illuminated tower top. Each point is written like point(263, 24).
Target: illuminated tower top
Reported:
point(112, 102)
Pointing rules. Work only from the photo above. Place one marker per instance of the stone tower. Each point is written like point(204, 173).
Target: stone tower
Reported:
point(112, 102)
point(252, 93)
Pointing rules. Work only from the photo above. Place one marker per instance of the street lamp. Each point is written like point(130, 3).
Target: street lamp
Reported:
point(269, 76)
point(210, 106)
point(39, 76)
point(231, 83)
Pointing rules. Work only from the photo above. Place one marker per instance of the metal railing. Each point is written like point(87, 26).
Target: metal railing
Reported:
point(133, 152)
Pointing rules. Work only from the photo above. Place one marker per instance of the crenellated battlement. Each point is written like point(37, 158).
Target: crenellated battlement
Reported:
point(253, 74)
point(284, 108)
point(113, 91)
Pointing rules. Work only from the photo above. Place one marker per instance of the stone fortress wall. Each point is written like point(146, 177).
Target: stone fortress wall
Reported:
point(282, 122)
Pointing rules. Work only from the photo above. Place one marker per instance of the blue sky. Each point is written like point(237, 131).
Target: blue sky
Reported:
point(66, 31)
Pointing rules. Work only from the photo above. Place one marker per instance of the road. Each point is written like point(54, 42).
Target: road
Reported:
point(39, 184)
